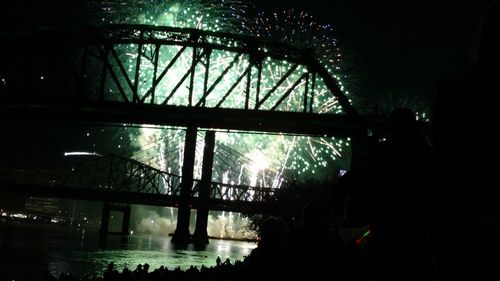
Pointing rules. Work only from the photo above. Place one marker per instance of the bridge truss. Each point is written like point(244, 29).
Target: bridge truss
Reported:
point(117, 179)
point(142, 74)
point(171, 76)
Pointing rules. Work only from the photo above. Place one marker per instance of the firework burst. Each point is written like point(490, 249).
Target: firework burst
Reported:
point(240, 158)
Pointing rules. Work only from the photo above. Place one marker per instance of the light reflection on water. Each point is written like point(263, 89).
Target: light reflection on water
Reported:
point(62, 248)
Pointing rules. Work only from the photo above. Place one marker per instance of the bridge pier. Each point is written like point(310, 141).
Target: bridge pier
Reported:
point(200, 236)
point(106, 210)
point(181, 235)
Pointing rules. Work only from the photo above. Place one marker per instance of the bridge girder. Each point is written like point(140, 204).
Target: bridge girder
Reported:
point(133, 64)
point(338, 125)
point(258, 207)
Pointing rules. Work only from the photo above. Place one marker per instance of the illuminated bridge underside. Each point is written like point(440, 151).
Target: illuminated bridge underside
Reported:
point(117, 179)
point(131, 74)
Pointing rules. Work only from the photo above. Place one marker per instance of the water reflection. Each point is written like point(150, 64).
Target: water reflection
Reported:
point(63, 248)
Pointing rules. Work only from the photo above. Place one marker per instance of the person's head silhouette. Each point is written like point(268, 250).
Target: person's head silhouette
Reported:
point(403, 123)
point(273, 232)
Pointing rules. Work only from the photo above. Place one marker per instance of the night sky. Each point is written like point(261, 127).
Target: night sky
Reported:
point(398, 46)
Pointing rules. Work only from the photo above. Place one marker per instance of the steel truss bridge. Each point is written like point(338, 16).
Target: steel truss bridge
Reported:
point(117, 179)
point(170, 76)
point(141, 74)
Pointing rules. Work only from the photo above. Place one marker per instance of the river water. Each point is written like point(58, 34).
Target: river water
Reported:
point(27, 249)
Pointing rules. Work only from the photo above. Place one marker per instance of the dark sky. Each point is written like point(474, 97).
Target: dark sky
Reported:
point(399, 46)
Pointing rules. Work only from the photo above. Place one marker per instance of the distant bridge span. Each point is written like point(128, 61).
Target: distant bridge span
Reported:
point(117, 179)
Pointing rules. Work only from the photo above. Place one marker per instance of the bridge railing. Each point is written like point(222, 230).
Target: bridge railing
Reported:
point(233, 192)
point(118, 174)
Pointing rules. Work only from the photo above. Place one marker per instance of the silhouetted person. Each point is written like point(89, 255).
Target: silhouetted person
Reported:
point(398, 179)
point(267, 261)
point(310, 244)
point(466, 202)
point(111, 273)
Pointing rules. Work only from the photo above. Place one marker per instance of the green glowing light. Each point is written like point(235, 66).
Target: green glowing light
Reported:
point(283, 155)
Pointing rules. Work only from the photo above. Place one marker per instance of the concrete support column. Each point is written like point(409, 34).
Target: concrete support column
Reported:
point(181, 234)
point(104, 219)
point(200, 236)
point(126, 220)
point(106, 211)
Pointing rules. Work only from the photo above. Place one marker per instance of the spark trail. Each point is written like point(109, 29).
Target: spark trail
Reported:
point(240, 158)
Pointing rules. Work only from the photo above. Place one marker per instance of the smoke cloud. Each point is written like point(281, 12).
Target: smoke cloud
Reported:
point(220, 225)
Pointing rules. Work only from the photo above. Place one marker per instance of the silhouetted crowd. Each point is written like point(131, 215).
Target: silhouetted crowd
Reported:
point(222, 271)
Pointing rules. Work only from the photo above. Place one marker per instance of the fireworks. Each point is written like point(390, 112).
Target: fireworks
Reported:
point(240, 158)
point(211, 15)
